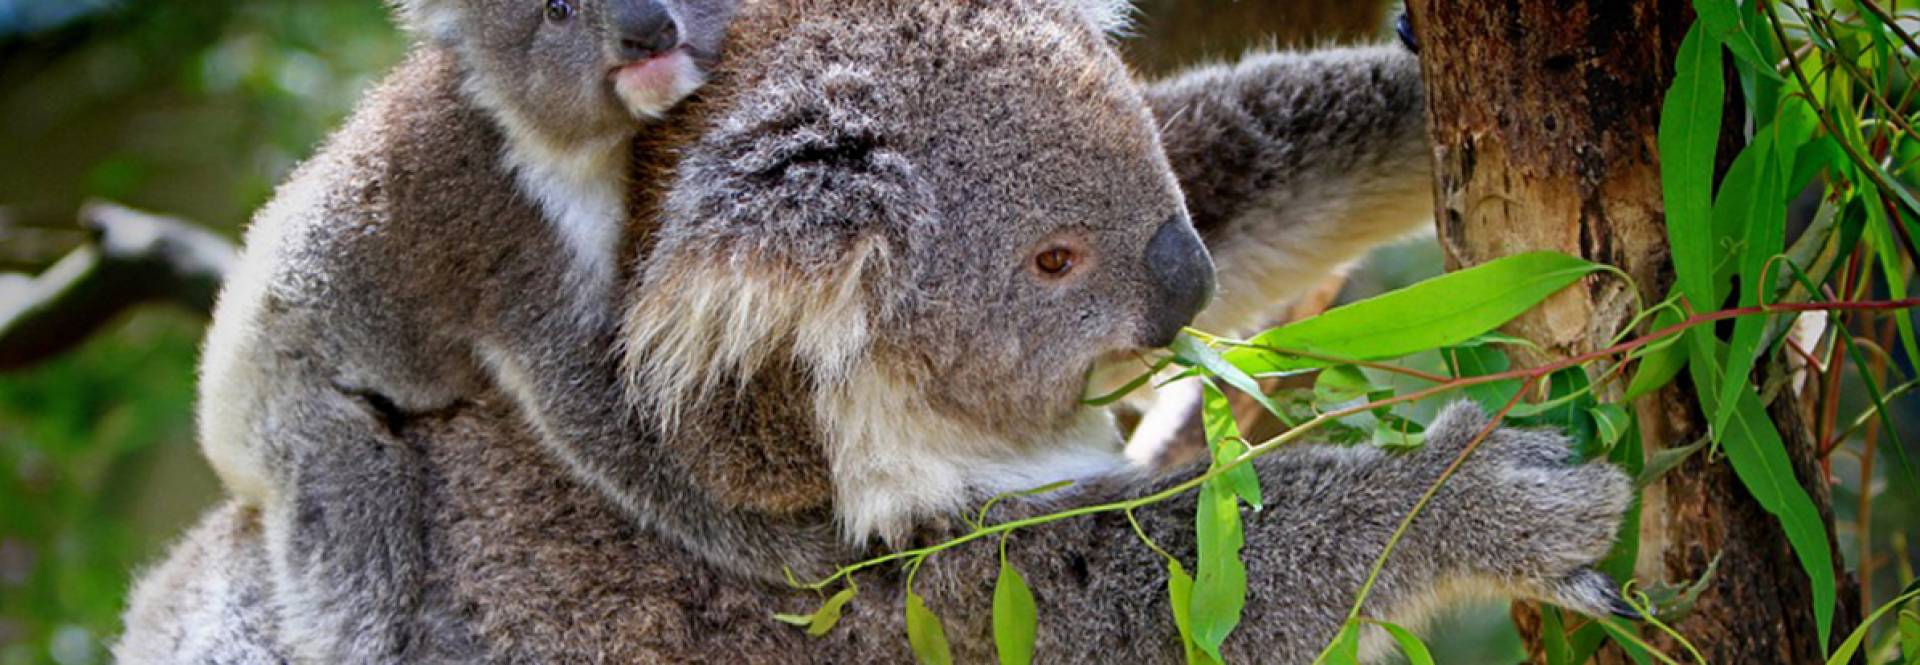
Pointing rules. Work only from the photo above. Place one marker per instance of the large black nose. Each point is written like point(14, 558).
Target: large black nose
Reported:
point(645, 29)
point(1183, 275)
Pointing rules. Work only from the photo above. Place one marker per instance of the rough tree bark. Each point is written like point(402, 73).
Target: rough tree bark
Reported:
point(1544, 117)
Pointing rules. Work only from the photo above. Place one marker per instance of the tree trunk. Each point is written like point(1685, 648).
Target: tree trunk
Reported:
point(1544, 117)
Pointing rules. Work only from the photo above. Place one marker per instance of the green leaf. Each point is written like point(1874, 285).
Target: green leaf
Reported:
point(1120, 393)
point(1180, 598)
point(1015, 620)
point(1759, 458)
point(1399, 433)
point(1475, 361)
point(1766, 234)
point(1659, 365)
point(1722, 18)
point(1689, 135)
point(1345, 649)
point(823, 620)
point(1844, 654)
point(1340, 384)
point(1753, 195)
point(1910, 635)
point(1220, 586)
point(1613, 423)
point(1224, 440)
point(1410, 644)
point(924, 634)
point(1195, 352)
point(1553, 638)
point(1674, 603)
point(1443, 311)
point(1667, 460)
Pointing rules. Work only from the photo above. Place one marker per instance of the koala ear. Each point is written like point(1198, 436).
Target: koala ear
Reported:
point(1114, 17)
point(707, 318)
point(434, 20)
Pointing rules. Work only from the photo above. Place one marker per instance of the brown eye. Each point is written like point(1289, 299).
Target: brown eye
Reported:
point(559, 10)
point(1057, 261)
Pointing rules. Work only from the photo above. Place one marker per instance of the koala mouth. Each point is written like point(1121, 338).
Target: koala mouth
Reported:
point(648, 88)
point(1115, 371)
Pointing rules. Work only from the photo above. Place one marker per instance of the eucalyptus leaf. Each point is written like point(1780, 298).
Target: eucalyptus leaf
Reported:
point(1220, 583)
point(1722, 18)
point(1910, 635)
point(1226, 444)
point(1553, 638)
point(1472, 361)
point(1612, 421)
point(1180, 598)
point(1689, 137)
point(1340, 384)
point(1015, 620)
point(1659, 366)
point(1444, 311)
point(1667, 460)
point(823, 620)
point(1410, 644)
point(924, 634)
point(1195, 352)
point(1843, 654)
point(1673, 603)
point(1399, 433)
point(1759, 458)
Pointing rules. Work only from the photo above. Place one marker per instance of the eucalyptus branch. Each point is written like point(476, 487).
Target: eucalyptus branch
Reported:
point(1530, 375)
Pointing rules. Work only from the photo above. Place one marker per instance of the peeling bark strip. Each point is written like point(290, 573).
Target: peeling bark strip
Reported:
point(1544, 117)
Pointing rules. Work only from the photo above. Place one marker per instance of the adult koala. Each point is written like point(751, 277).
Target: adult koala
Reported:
point(883, 254)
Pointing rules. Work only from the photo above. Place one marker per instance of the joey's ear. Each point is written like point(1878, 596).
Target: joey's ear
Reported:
point(434, 20)
point(1295, 164)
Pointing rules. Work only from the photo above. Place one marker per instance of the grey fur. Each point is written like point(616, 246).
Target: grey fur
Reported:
point(416, 260)
point(842, 248)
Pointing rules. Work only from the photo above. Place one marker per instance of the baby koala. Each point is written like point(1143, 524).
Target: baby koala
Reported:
point(459, 237)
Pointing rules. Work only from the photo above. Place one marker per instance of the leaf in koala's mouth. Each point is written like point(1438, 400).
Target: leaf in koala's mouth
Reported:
point(1116, 375)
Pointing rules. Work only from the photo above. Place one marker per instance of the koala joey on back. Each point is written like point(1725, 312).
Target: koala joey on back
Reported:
point(464, 229)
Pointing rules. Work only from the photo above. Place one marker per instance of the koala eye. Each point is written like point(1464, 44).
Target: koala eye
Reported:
point(1054, 261)
point(559, 10)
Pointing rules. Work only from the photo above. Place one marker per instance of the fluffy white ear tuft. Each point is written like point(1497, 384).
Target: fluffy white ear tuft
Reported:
point(436, 20)
point(1109, 16)
point(703, 324)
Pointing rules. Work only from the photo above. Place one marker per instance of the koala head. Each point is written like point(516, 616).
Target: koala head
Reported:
point(570, 71)
point(943, 213)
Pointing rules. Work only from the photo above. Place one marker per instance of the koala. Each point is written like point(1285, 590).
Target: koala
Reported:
point(877, 261)
point(463, 230)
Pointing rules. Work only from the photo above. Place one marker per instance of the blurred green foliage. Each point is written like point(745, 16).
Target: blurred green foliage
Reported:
point(194, 109)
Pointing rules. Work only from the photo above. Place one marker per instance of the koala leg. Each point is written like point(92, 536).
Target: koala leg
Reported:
point(346, 530)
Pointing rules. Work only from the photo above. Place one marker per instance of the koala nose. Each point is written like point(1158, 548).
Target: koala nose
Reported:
point(645, 29)
point(1183, 274)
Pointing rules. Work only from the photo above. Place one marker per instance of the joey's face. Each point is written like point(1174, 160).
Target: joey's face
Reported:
point(998, 189)
point(578, 70)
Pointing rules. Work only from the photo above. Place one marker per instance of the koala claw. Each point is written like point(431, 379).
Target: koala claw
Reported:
point(1593, 593)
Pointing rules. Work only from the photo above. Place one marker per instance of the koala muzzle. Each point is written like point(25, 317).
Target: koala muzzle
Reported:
point(645, 29)
point(1183, 274)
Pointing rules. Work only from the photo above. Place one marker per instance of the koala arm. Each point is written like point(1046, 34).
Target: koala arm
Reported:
point(1295, 164)
point(1515, 522)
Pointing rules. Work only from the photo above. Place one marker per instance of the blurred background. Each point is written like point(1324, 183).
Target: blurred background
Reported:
point(194, 111)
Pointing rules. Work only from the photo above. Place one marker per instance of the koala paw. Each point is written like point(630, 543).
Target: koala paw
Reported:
point(1526, 517)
